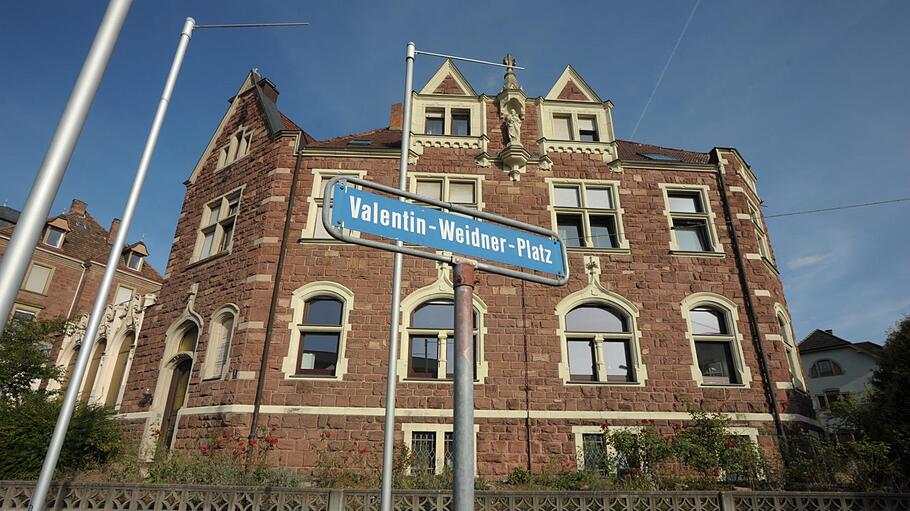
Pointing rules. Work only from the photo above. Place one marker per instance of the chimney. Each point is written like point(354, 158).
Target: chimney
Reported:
point(395, 118)
point(77, 207)
point(829, 331)
point(112, 232)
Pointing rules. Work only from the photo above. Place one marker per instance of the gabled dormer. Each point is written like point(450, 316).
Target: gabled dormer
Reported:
point(447, 112)
point(55, 232)
point(573, 118)
point(135, 255)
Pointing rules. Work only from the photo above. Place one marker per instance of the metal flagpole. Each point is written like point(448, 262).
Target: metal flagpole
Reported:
point(113, 260)
point(34, 215)
point(388, 446)
point(463, 484)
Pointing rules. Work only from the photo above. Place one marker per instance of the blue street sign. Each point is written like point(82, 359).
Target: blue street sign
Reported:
point(391, 218)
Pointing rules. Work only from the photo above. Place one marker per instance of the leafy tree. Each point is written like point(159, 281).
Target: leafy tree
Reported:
point(887, 417)
point(24, 356)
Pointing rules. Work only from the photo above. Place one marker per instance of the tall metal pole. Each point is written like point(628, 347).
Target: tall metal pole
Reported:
point(113, 260)
point(463, 487)
point(34, 215)
point(388, 446)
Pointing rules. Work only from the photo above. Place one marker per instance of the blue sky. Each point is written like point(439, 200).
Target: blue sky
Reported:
point(814, 95)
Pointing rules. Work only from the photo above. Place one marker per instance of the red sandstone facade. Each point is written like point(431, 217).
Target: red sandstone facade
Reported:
point(199, 355)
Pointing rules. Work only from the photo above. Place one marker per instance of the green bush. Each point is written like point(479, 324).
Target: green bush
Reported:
point(828, 463)
point(706, 446)
point(93, 439)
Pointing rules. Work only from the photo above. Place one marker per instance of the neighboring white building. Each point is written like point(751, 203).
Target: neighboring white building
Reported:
point(836, 367)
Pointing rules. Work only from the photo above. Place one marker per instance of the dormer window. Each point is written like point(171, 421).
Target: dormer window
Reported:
point(461, 123)
point(54, 237)
point(587, 129)
point(134, 261)
point(454, 122)
point(436, 119)
point(575, 127)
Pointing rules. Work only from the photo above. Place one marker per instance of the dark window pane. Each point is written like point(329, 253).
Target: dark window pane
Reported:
point(461, 123)
point(691, 235)
point(618, 361)
point(435, 123)
point(423, 446)
point(715, 360)
point(438, 314)
point(54, 236)
point(603, 232)
point(323, 311)
point(708, 321)
point(450, 357)
point(595, 318)
point(424, 357)
point(581, 361)
point(569, 227)
point(595, 453)
point(320, 353)
point(683, 202)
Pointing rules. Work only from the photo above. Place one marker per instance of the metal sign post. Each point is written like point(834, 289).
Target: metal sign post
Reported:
point(514, 249)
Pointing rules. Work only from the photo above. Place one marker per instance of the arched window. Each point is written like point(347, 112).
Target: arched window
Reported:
point(825, 367)
point(431, 337)
point(92, 373)
point(320, 336)
point(717, 353)
point(786, 335)
point(119, 372)
point(219, 347)
point(599, 344)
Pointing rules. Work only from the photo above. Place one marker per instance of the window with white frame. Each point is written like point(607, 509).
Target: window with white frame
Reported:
point(599, 344)
point(431, 338)
point(54, 237)
point(691, 220)
point(715, 345)
point(237, 147)
point(320, 336)
point(575, 127)
point(217, 355)
point(216, 233)
point(762, 236)
point(38, 278)
point(134, 260)
point(587, 214)
point(432, 447)
point(314, 229)
point(791, 352)
point(461, 190)
point(24, 313)
point(123, 295)
point(447, 121)
point(594, 453)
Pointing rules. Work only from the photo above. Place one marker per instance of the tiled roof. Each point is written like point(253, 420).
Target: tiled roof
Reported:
point(821, 340)
point(87, 241)
point(378, 139)
point(8, 216)
point(636, 151)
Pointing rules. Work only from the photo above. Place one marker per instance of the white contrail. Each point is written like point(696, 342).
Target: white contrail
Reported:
point(666, 66)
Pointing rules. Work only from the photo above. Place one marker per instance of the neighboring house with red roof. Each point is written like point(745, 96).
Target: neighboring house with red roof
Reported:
point(674, 299)
point(836, 367)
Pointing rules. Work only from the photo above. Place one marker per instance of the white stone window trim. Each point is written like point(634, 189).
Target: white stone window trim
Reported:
point(140, 258)
point(764, 244)
point(211, 349)
point(205, 224)
point(617, 211)
point(797, 381)
point(315, 201)
point(735, 337)
point(578, 432)
point(47, 283)
point(409, 428)
point(602, 120)
point(717, 249)
point(593, 294)
point(298, 304)
point(34, 311)
point(237, 148)
point(447, 179)
point(447, 103)
point(442, 289)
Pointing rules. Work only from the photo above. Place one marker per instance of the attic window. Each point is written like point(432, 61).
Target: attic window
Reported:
point(237, 147)
point(361, 141)
point(54, 237)
point(659, 157)
point(134, 261)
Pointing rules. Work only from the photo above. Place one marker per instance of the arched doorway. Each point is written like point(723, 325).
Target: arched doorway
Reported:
point(117, 376)
point(180, 379)
point(92, 373)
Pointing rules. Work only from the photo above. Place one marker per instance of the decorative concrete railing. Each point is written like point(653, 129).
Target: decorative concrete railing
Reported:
point(14, 495)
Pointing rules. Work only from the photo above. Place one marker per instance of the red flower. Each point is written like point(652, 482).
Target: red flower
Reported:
point(729, 444)
point(328, 434)
point(363, 451)
point(254, 441)
point(203, 449)
point(605, 426)
point(677, 427)
point(645, 421)
point(271, 439)
point(243, 449)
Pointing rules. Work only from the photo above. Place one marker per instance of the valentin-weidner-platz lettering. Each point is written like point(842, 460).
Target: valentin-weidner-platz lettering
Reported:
point(387, 217)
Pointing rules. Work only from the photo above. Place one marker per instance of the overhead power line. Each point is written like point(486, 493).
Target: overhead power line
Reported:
point(837, 208)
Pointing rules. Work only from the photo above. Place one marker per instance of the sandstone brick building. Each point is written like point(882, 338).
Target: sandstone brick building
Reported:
point(63, 280)
point(674, 303)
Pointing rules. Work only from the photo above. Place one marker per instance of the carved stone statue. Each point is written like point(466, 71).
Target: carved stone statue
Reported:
point(513, 123)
